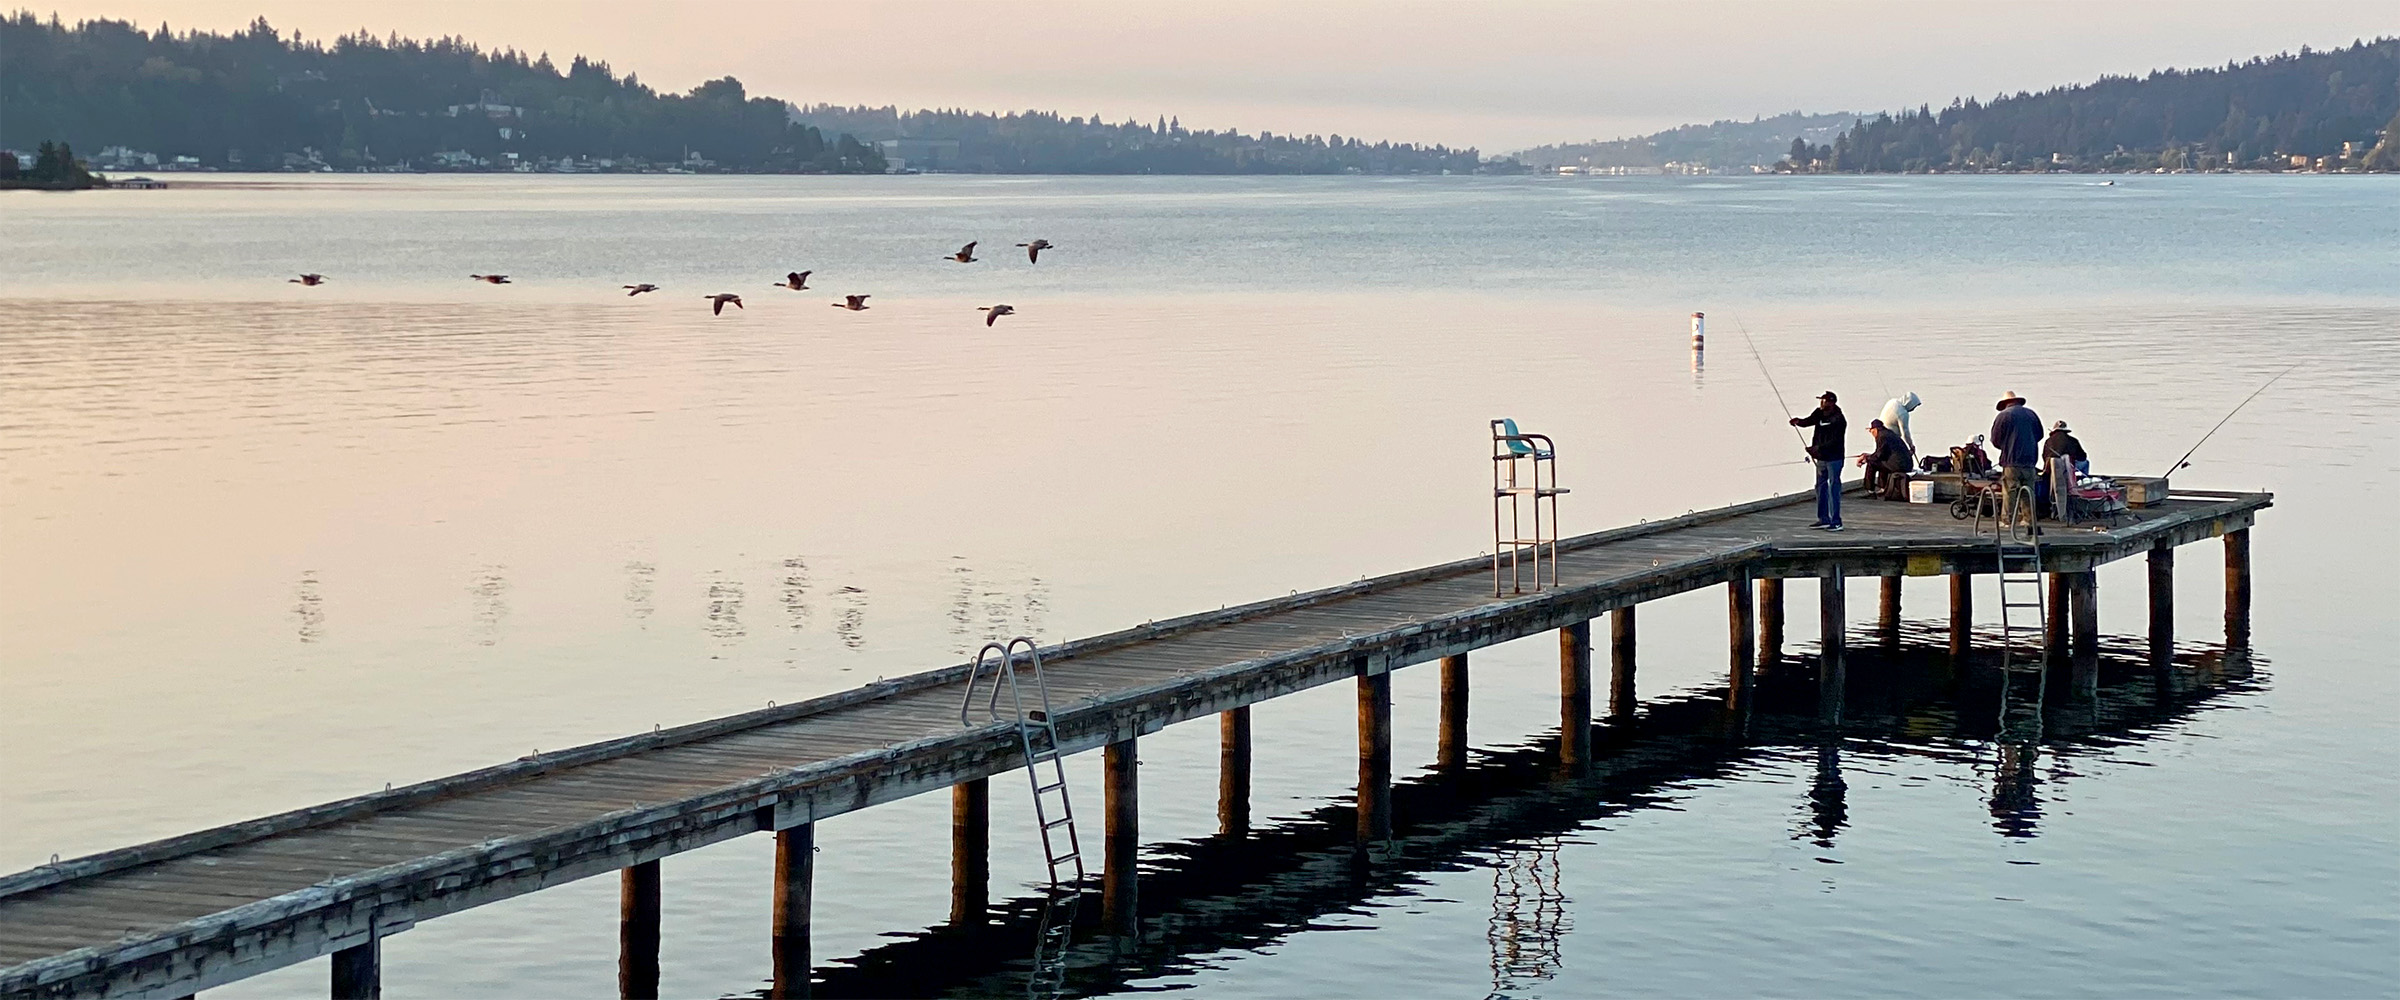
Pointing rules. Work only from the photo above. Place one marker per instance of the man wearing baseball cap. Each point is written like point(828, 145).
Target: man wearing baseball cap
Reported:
point(1827, 451)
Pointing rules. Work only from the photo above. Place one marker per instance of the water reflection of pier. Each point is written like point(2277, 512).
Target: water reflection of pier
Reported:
point(1508, 809)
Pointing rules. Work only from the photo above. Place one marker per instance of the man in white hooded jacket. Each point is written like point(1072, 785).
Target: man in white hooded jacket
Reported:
point(1895, 418)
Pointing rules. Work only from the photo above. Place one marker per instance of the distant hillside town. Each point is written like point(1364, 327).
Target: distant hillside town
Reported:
point(1719, 147)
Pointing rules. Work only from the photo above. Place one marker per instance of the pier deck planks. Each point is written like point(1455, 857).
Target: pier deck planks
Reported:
point(123, 907)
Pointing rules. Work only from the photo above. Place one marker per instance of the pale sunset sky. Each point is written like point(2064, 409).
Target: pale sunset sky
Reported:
point(1499, 74)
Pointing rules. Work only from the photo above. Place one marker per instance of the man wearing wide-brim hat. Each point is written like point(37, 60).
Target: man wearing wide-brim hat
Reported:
point(2017, 437)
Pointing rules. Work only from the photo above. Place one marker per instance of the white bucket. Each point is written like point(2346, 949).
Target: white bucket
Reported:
point(1920, 491)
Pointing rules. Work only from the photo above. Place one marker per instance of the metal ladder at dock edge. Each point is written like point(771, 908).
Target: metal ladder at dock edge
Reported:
point(1045, 771)
point(2030, 580)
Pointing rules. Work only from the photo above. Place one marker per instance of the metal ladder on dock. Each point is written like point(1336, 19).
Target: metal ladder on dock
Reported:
point(2012, 602)
point(1046, 771)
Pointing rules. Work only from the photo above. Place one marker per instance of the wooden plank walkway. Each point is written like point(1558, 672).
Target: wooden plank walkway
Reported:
point(220, 905)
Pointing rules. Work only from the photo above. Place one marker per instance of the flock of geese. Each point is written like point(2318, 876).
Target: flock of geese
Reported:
point(796, 281)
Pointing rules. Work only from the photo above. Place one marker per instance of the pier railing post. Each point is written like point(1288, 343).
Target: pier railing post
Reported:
point(1887, 611)
point(358, 971)
point(2162, 605)
point(1741, 631)
point(1120, 906)
point(1770, 621)
point(2084, 617)
point(1962, 614)
point(1622, 701)
point(794, 892)
point(637, 932)
point(2237, 590)
point(970, 852)
point(1833, 620)
point(1374, 756)
point(1450, 753)
point(1233, 771)
point(1575, 694)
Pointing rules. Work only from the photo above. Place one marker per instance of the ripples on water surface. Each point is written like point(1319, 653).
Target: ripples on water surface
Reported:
point(267, 545)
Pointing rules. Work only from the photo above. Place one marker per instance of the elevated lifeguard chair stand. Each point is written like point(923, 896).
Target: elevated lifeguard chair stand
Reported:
point(1524, 473)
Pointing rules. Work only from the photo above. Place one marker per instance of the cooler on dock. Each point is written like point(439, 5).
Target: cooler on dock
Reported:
point(2142, 491)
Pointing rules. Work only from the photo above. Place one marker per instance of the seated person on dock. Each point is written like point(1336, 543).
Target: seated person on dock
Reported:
point(2063, 460)
point(1888, 465)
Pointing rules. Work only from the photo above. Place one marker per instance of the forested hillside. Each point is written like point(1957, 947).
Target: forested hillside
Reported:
point(1723, 145)
point(259, 100)
point(2336, 109)
point(1046, 142)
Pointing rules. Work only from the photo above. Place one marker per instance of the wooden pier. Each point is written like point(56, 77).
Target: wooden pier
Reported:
point(175, 916)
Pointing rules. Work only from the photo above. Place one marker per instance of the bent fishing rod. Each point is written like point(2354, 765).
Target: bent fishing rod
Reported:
point(2185, 461)
point(1786, 408)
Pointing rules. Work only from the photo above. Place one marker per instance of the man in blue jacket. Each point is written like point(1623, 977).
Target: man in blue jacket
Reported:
point(2017, 437)
point(1828, 452)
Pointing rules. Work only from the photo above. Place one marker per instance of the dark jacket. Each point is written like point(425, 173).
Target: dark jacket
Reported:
point(1892, 452)
point(1831, 427)
point(2062, 443)
point(2017, 436)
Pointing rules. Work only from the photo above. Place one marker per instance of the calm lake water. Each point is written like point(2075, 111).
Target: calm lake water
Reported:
point(264, 545)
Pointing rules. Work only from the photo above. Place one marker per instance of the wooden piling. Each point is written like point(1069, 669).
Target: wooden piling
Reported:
point(2162, 605)
point(1233, 771)
point(1374, 757)
point(1832, 621)
point(1621, 698)
point(1575, 694)
point(1887, 611)
point(1450, 754)
point(1770, 621)
point(1962, 614)
point(2054, 621)
point(1741, 630)
point(1120, 905)
point(358, 971)
point(970, 852)
point(794, 892)
point(2083, 599)
point(637, 931)
point(2237, 590)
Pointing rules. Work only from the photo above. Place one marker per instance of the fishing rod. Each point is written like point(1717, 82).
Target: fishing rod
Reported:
point(2185, 461)
point(1770, 376)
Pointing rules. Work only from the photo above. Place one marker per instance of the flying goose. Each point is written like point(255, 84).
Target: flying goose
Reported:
point(639, 289)
point(992, 314)
point(965, 254)
point(717, 302)
point(796, 281)
point(308, 279)
point(853, 303)
point(490, 279)
point(1033, 250)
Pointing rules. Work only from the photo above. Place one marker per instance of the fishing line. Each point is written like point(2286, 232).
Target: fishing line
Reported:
point(2185, 461)
point(1786, 408)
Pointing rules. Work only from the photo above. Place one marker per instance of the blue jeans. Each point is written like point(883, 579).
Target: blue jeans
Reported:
point(1829, 491)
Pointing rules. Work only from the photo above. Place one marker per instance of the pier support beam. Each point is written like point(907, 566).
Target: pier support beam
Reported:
point(2237, 590)
point(1233, 771)
point(1770, 621)
point(358, 971)
point(1887, 612)
point(1962, 614)
point(1374, 757)
point(1833, 621)
point(970, 852)
point(2083, 602)
point(1575, 694)
point(2162, 606)
point(1450, 753)
point(1621, 698)
point(1741, 630)
point(637, 932)
point(2054, 621)
point(1120, 909)
point(794, 891)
